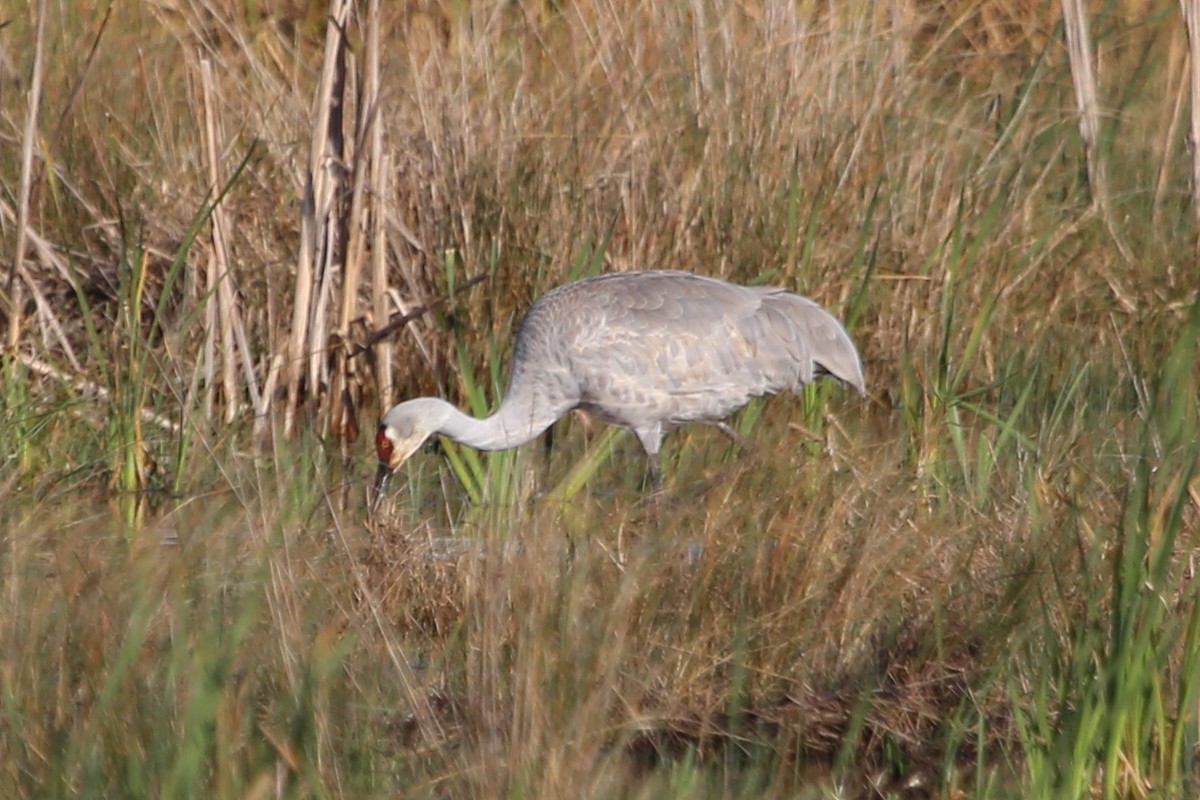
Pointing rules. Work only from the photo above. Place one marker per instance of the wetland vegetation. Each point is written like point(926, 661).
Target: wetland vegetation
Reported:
point(978, 581)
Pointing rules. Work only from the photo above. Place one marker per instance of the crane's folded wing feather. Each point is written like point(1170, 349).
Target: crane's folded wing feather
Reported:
point(685, 347)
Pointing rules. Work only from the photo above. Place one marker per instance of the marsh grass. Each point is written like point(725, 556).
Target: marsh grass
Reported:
point(1124, 698)
point(978, 581)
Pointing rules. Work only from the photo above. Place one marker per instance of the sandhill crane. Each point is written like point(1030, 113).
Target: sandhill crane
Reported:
point(646, 351)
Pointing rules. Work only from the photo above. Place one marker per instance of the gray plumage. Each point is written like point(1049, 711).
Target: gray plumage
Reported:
point(643, 350)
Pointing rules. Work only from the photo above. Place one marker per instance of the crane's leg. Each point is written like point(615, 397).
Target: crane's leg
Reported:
point(651, 439)
point(734, 436)
point(745, 448)
point(652, 488)
point(547, 458)
point(654, 478)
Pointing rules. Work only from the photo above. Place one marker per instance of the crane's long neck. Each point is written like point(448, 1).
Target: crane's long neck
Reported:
point(519, 419)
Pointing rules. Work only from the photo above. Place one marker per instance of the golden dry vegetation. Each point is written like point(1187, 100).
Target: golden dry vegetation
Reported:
point(976, 582)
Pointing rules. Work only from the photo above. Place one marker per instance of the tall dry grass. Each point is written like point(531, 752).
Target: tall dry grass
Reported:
point(975, 583)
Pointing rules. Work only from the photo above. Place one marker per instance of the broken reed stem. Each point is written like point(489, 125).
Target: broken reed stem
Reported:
point(316, 234)
point(333, 224)
point(1191, 16)
point(401, 320)
point(342, 405)
point(219, 265)
point(16, 275)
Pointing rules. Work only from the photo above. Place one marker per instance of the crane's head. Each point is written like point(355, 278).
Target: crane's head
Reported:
point(401, 432)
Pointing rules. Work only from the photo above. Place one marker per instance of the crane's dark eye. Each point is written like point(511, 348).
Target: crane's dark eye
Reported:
point(383, 446)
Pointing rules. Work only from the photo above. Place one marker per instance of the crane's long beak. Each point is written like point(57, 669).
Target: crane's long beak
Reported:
point(381, 478)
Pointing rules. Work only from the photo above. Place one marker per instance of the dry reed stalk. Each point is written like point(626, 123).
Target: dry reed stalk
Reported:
point(302, 297)
point(209, 348)
point(268, 392)
point(343, 408)
point(1176, 62)
point(16, 275)
point(45, 251)
point(317, 235)
point(16, 280)
point(704, 64)
point(257, 401)
point(1191, 15)
point(900, 23)
point(381, 167)
point(1079, 56)
point(19, 278)
point(52, 327)
point(219, 266)
point(89, 388)
point(318, 321)
point(380, 186)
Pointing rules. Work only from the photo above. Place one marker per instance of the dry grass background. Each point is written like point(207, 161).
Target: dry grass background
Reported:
point(923, 594)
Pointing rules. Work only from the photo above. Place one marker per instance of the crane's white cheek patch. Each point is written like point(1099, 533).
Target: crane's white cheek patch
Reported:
point(404, 449)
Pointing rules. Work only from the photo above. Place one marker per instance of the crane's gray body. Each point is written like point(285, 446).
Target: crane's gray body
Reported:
point(646, 351)
point(652, 350)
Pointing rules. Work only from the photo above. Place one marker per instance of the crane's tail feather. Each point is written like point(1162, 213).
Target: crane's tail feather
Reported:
point(831, 349)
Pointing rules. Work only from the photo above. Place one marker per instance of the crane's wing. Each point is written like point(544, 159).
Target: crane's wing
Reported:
point(830, 348)
point(678, 347)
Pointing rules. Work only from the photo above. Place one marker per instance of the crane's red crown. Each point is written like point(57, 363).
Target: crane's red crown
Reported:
point(383, 446)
